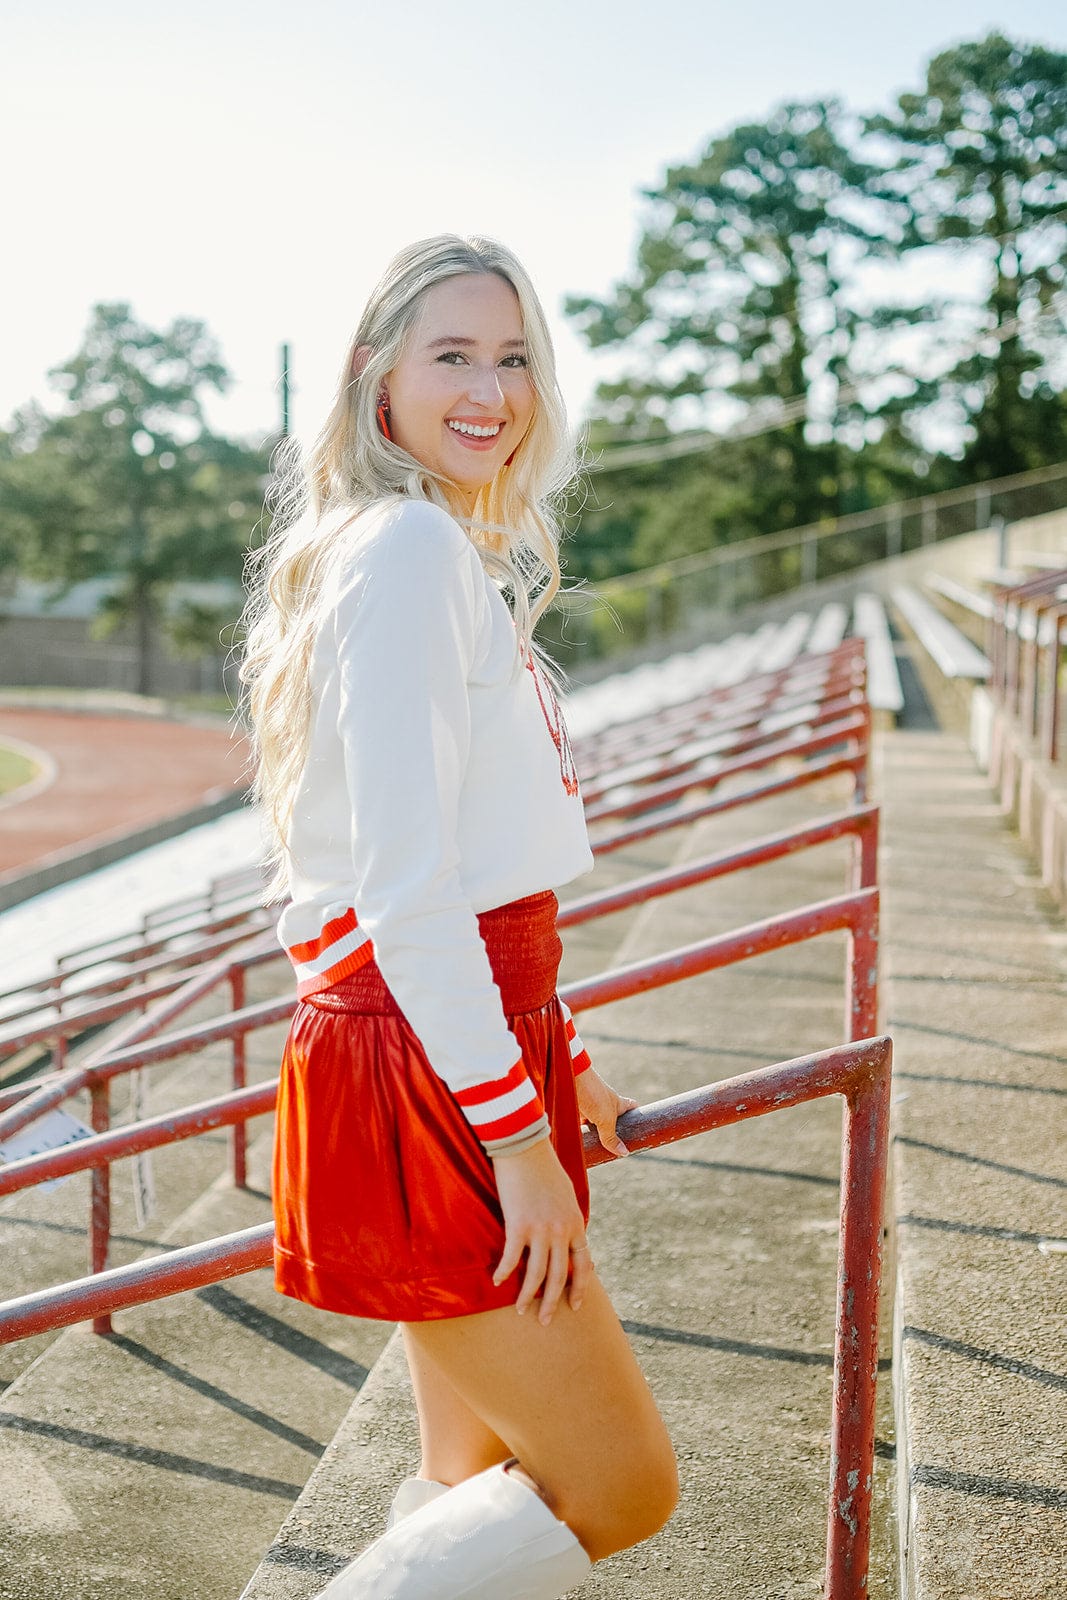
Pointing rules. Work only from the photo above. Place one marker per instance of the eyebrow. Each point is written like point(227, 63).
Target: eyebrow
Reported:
point(452, 339)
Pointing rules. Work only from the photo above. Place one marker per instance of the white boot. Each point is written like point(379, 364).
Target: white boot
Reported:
point(489, 1538)
point(413, 1494)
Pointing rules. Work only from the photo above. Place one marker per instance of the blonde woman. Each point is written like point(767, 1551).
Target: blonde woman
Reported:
point(415, 768)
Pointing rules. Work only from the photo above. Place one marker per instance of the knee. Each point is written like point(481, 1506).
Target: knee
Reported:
point(636, 1509)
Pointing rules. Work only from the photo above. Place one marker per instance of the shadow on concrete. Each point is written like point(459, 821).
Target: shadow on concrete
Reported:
point(165, 1459)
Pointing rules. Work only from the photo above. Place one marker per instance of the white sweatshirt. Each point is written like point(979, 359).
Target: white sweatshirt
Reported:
point(439, 783)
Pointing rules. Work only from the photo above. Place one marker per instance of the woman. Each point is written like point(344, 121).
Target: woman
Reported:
point(415, 768)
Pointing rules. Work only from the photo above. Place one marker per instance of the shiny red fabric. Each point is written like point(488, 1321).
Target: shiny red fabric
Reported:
point(385, 1202)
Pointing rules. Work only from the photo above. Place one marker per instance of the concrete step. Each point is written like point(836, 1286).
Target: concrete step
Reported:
point(975, 972)
point(719, 1253)
point(156, 1462)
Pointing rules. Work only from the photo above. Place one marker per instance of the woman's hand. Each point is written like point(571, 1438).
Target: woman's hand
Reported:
point(601, 1106)
point(542, 1218)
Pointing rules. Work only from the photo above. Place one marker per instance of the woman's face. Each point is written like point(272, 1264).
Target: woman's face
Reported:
point(460, 397)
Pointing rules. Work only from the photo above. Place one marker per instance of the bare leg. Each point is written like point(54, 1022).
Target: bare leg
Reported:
point(572, 1404)
point(455, 1441)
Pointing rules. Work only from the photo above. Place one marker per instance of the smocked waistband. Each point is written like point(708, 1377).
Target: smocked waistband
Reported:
point(524, 953)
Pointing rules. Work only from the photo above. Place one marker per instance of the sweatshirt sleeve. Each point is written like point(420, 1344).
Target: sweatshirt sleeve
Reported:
point(408, 626)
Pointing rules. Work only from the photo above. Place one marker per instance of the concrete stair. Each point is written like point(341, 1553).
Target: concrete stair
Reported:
point(975, 975)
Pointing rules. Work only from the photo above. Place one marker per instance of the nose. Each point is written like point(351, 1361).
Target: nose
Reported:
point(484, 385)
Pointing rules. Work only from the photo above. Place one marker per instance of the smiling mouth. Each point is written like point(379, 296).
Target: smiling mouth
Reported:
point(470, 430)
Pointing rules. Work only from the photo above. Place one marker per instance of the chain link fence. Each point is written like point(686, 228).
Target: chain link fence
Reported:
point(630, 612)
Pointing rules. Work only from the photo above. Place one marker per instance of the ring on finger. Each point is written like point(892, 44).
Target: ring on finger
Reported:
point(579, 1249)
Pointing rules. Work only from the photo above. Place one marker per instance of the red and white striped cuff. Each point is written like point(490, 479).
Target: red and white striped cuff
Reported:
point(505, 1112)
point(579, 1054)
point(340, 949)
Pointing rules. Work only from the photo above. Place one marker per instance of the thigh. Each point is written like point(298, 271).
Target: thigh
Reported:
point(572, 1404)
point(456, 1443)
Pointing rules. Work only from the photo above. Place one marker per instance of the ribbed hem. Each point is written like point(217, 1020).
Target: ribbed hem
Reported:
point(534, 1134)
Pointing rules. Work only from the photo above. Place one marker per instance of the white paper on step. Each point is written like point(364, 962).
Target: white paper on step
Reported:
point(48, 1132)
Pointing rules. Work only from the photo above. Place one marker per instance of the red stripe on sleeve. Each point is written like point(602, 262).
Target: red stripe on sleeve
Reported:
point(505, 1127)
point(345, 923)
point(479, 1093)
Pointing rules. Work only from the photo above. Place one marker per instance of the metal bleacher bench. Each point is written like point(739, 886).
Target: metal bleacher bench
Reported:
point(884, 689)
point(950, 650)
point(979, 605)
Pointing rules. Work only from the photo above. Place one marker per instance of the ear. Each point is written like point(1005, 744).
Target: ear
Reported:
point(360, 356)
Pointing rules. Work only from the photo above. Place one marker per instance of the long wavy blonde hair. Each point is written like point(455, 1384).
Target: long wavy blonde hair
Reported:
point(514, 525)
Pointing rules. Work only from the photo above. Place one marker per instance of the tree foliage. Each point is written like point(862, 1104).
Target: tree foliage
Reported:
point(764, 305)
point(740, 293)
point(127, 480)
point(980, 164)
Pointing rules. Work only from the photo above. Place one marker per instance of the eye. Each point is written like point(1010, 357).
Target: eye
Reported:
point(447, 355)
point(521, 360)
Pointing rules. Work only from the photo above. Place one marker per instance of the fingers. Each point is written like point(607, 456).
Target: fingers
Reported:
point(559, 1262)
point(536, 1266)
point(610, 1139)
point(613, 1142)
point(548, 1266)
point(509, 1261)
point(581, 1273)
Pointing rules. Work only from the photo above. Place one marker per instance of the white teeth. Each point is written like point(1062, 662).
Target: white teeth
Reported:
point(475, 432)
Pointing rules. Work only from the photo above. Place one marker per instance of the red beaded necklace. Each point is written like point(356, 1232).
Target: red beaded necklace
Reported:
point(557, 727)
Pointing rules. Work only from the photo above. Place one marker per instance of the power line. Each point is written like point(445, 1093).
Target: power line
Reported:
point(786, 412)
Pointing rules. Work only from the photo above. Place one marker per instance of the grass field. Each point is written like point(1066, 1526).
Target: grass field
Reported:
point(15, 769)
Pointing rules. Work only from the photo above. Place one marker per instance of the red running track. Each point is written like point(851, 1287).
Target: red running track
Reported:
point(113, 773)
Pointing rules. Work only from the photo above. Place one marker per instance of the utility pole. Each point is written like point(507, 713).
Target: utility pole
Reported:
point(285, 391)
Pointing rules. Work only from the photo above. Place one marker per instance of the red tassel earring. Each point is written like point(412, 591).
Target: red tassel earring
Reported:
point(383, 416)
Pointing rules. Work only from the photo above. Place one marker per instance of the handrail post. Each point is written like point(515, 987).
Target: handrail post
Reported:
point(1052, 690)
point(1029, 691)
point(864, 873)
point(100, 1193)
point(863, 764)
point(239, 1131)
point(59, 1038)
point(865, 1151)
point(861, 989)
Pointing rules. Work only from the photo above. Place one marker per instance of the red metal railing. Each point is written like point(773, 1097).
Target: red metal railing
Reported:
point(109, 999)
point(856, 914)
point(741, 710)
point(107, 1146)
point(852, 764)
point(1028, 619)
point(853, 728)
point(114, 997)
point(860, 825)
point(32, 1100)
point(845, 664)
point(732, 738)
point(860, 1072)
point(226, 901)
point(61, 1085)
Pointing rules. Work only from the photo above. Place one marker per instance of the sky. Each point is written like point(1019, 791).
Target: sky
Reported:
point(255, 164)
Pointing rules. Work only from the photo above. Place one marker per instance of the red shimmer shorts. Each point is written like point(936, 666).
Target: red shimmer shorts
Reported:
point(385, 1202)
